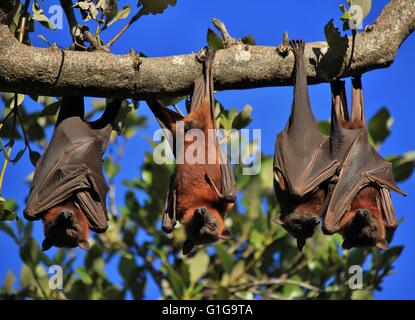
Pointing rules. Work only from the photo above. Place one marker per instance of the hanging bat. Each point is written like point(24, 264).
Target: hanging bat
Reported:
point(200, 194)
point(302, 162)
point(360, 207)
point(68, 190)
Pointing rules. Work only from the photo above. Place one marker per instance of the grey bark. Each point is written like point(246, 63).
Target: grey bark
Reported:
point(56, 72)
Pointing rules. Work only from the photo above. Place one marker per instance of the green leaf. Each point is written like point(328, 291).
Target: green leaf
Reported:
point(379, 126)
point(18, 156)
point(110, 8)
point(362, 295)
point(84, 276)
point(175, 281)
point(402, 166)
point(26, 277)
point(324, 127)
point(291, 291)
point(356, 256)
point(9, 282)
point(51, 109)
point(390, 255)
point(171, 101)
point(111, 168)
point(113, 293)
point(40, 17)
point(225, 258)
point(122, 14)
point(249, 39)
point(213, 40)
point(335, 40)
point(243, 119)
point(256, 239)
point(30, 253)
point(198, 265)
point(155, 6)
point(6, 228)
point(126, 265)
point(60, 256)
point(34, 157)
point(7, 215)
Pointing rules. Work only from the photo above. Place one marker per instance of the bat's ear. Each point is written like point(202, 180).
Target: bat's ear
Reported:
point(382, 244)
point(278, 220)
point(84, 244)
point(47, 244)
point(346, 245)
point(226, 235)
point(300, 244)
point(187, 246)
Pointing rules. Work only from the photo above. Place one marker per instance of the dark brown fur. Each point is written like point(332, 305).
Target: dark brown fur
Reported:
point(65, 225)
point(363, 224)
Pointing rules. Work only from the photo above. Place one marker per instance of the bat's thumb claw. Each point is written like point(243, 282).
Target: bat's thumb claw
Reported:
point(382, 244)
point(84, 244)
point(278, 220)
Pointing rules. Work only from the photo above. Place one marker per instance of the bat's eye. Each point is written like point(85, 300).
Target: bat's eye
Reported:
point(211, 225)
point(373, 229)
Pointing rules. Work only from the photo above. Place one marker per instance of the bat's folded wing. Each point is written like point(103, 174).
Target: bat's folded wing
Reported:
point(362, 166)
point(228, 178)
point(169, 215)
point(72, 167)
point(304, 165)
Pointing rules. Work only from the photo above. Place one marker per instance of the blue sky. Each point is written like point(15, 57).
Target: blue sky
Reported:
point(182, 29)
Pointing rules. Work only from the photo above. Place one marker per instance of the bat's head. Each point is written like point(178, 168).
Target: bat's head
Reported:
point(204, 226)
point(65, 226)
point(300, 225)
point(365, 230)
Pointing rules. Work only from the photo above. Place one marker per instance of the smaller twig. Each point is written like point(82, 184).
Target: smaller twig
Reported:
point(26, 139)
point(35, 276)
point(119, 34)
point(227, 39)
point(3, 169)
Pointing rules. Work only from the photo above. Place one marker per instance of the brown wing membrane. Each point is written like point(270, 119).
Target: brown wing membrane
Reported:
point(301, 153)
point(71, 167)
point(362, 167)
point(169, 216)
point(302, 162)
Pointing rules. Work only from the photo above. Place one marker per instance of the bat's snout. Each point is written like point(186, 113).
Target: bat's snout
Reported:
point(203, 227)
point(66, 214)
point(362, 213)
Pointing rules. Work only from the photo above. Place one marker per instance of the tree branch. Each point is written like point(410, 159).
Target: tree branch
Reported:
point(59, 72)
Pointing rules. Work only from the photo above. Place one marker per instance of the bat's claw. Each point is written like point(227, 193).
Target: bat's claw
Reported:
point(168, 225)
point(297, 46)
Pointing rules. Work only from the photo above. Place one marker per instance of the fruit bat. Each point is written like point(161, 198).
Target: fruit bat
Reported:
point(68, 190)
point(200, 194)
point(360, 206)
point(302, 162)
